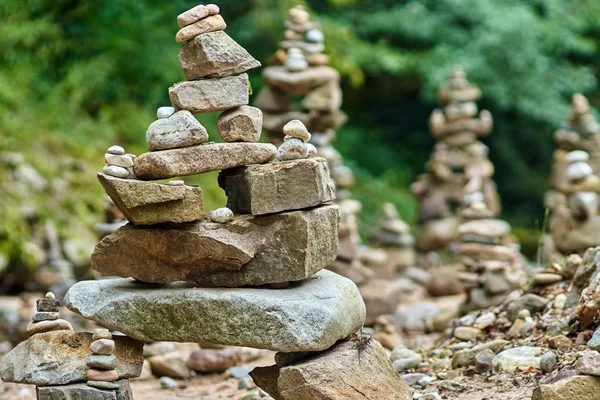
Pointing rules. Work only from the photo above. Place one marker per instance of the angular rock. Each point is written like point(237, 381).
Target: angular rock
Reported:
point(342, 372)
point(300, 82)
point(147, 203)
point(464, 358)
point(281, 186)
point(209, 95)
point(573, 387)
point(242, 124)
point(199, 159)
point(246, 251)
point(81, 391)
point(170, 364)
point(179, 130)
point(206, 25)
point(59, 358)
point(214, 55)
point(308, 316)
point(589, 364)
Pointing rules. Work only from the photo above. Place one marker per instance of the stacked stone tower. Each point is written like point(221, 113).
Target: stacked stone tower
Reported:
point(459, 172)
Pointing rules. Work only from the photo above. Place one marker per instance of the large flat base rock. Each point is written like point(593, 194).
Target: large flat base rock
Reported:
point(281, 186)
point(81, 391)
point(308, 316)
point(248, 250)
point(349, 370)
point(147, 203)
point(59, 358)
point(202, 158)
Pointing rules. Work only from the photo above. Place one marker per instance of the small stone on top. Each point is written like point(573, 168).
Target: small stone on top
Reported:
point(51, 295)
point(101, 333)
point(196, 14)
point(118, 150)
point(165, 112)
point(296, 129)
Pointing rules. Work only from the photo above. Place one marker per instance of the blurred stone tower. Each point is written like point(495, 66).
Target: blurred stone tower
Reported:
point(459, 172)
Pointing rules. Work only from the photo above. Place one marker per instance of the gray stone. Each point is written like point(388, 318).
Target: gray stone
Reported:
point(548, 361)
point(118, 150)
point(589, 363)
point(467, 333)
point(242, 124)
point(404, 359)
point(281, 186)
point(309, 316)
point(292, 149)
point(239, 372)
point(179, 130)
point(78, 391)
point(214, 55)
point(299, 82)
point(46, 304)
point(245, 251)
point(116, 171)
point(221, 215)
point(466, 357)
point(347, 371)
point(45, 316)
point(483, 360)
point(206, 25)
point(594, 342)
point(59, 358)
point(518, 358)
point(101, 361)
point(529, 301)
point(147, 203)
point(104, 385)
point(209, 95)
point(202, 158)
point(165, 112)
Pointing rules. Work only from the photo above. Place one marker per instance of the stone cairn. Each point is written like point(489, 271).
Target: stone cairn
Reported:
point(393, 235)
point(459, 169)
point(573, 201)
point(64, 364)
point(249, 274)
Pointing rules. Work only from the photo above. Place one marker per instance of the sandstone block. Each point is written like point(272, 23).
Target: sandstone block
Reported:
point(242, 124)
point(209, 95)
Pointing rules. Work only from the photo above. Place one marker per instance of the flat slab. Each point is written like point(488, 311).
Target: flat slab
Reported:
point(209, 95)
point(147, 203)
point(59, 358)
point(308, 316)
point(81, 391)
point(202, 158)
point(245, 251)
point(276, 187)
point(300, 82)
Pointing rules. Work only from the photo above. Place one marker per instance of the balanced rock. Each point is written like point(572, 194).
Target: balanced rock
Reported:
point(210, 24)
point(147, 203)
point(196, 14)
point(59, 358)
point(308, 316)
point(293, 149)
point(209, 95)
point(300, 82)
point(246, 251)
point(242, 124)
point(202, 158)
point(181, 129)
point(81, 391)
point(214, 55)
point(276, 187)
point(349, 370)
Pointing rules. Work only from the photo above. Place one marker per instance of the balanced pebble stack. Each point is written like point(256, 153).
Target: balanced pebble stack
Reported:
point(102, 363)
point(393, 235)
point(118, 164)
point(46, 319)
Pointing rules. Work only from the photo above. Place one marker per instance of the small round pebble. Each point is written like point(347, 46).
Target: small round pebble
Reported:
point(579, 170)
point(221, 215)
point(118, 150)
point(50, 295)
point(101, 333)
point(295, 128)
point(548, 361)
point(176, 183)
point(212, 9)
point(168, 383)
point(292, 149)
point(577, 155)
point(117, 172)
point(165, 112)
point(314, 36)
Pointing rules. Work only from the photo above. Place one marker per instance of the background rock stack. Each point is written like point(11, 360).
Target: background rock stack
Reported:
point(393, 235)
point(247, 275)
point(459, 169)
point(573, 200)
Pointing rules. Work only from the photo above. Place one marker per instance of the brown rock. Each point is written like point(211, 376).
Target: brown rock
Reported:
point(281, 186)
point(36, 327)
point(171, 365)
point(209, 95)
point(465, 358)
point(195, 14)
point(102, 375)
point(299, 82)
point(246, 251)
point(199, 159)
point(206, 25)
point(381, 296)
point(487, 252)
point(147, 203)
point(103, 346)
point(342, 372)
point(213, 55)
point(214, 361)
point(242, 124)
point(573, 387)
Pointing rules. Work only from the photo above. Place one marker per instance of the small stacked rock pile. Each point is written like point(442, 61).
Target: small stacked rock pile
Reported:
point(459, 167)
point(250, 274)
point(118, 164)
point(393, 235)
point(573, 200)
point(59, 361)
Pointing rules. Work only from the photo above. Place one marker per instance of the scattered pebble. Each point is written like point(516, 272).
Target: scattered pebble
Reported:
point(168, 383)
point(548, 362)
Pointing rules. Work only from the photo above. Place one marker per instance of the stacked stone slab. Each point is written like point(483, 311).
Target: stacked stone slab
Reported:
point(573, 200)
point(459, 170)
point(250, 274)
point(64, 364)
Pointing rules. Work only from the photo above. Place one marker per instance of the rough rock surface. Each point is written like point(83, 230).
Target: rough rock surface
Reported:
point(242, 124)
point(59, 358)
point(574, 387)
point(81, 391)
point(199, 159)
point(146, 203)
point(206, 25)
point(181, 129)
point(308, 316)
point(214, 55)
point(209, 95)
point(342, 372)
point(281, 186)
point(245, 251)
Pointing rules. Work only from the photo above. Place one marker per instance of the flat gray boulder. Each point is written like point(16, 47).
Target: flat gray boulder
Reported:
point(307, 316)
point(209, 95)
point(245, 251)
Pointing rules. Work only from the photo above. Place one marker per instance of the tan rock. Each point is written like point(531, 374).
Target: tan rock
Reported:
point(273, 100)
point(170, 364)
point(203, 158)
point(120, 160)
point(103, 346)
point(209, 95)
point(242, 124)
point(212, 361)
point(214, 55)
point(181, 129)
point(487, 252)
point(102, 375)
point(485, 227)
point(324, 98)
point(573, 387)
point(147, 203)
point(381, 296)
point(348, 370)
point(36, 327)
point(206, 25)
point(281, 186)
point(300, 82)
point(192, 15)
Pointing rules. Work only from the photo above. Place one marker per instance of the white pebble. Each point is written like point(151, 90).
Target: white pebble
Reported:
point(292, 149)
point(577, 155)
point(118, 172)
point(295, 128)
point(312, 150)
point(579, 170)
point(176, 183)
point(560, 301)
point(165, 112)
point(221, 215)
point(314, 36)
point(118, 150)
